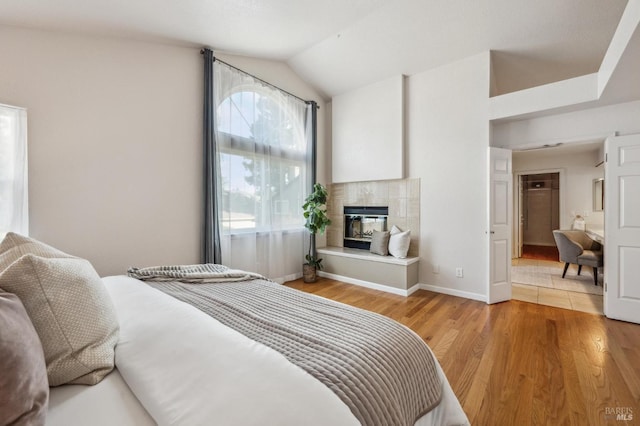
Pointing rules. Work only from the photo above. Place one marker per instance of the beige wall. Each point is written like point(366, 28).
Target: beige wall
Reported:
point(115, 142)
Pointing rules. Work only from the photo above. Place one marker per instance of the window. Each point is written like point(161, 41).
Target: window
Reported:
point(258, 170)
point(13, 170)
point(263, 160)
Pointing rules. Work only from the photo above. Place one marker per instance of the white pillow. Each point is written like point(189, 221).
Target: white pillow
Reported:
point(399, 242)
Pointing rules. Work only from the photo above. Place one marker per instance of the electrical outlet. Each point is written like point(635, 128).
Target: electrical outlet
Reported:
point(435, 269)
point(459, 272)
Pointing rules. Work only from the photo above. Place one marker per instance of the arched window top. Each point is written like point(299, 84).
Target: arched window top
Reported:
point(249, 113)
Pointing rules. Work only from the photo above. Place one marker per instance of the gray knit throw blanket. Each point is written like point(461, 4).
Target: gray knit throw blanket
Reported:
point(379, 368)
point(204, 273)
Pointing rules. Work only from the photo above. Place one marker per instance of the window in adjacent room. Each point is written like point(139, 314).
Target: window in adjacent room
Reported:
point(13, 170)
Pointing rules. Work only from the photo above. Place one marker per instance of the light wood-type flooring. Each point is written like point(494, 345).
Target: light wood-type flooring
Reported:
point(517, 363)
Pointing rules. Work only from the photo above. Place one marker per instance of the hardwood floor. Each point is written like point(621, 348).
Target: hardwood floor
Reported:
point(517, 363)
point(540, 252)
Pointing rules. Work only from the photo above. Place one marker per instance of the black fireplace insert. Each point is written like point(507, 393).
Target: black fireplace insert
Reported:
point(360, 222)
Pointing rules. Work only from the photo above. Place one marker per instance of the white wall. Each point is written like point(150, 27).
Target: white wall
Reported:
point(546, 97)
point(115, 142)
point(569, 127)
point(576, 185)
point(368, 132)
point(447, 139)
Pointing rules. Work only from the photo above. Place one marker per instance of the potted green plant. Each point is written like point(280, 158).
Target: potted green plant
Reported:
point(316, 221)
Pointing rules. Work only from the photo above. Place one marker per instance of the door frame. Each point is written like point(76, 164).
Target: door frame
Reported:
point(517, 193)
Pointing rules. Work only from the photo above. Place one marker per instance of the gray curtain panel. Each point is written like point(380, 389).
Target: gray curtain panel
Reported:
point(211, 249)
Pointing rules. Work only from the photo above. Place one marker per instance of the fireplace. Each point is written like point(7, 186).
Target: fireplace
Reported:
point(360, 222)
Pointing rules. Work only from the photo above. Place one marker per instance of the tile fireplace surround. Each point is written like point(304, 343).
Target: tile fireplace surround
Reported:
point(402, 196)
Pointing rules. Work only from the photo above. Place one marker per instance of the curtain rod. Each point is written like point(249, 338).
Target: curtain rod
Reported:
point(263, 81)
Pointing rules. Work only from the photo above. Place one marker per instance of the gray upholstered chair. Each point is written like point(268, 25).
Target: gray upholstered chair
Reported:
point(578, 248)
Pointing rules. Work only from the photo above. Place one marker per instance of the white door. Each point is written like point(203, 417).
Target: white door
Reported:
point(499, 227)
point(622, 228)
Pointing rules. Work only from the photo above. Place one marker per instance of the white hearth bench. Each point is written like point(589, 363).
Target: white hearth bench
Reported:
point(360, 267)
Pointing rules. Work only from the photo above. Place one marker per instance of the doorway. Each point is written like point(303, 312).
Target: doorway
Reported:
point(539, 215)
point(552, 186)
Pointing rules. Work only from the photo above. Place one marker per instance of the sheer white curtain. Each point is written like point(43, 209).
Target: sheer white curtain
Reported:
point(13, 171)
point(265, 173)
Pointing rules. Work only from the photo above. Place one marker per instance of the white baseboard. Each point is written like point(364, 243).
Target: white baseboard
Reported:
point(413, 289)
point(368, 284)
point(401, 292)
point(453, 292)
point(287, 278)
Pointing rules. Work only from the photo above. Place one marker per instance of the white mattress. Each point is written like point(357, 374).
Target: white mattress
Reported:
point(176, 365)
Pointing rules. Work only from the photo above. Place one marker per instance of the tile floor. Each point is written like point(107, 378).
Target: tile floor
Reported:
point(541, 282)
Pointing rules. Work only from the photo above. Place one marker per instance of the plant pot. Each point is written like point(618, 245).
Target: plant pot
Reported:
point(309, 273)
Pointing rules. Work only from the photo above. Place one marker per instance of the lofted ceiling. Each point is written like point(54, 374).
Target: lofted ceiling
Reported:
point(339, 45)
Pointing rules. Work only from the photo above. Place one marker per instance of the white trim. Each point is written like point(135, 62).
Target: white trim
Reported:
point(413, 289)
point(287, 278)
point(405, 293)
point(453, 292)
point(366, 255)
point(368, 284)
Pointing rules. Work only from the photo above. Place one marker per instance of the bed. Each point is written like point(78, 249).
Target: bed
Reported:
point(200, 345)
point(177, 365)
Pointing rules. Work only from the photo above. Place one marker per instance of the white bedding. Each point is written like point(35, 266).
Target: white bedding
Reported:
point(186, 368)
point(108, 403)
